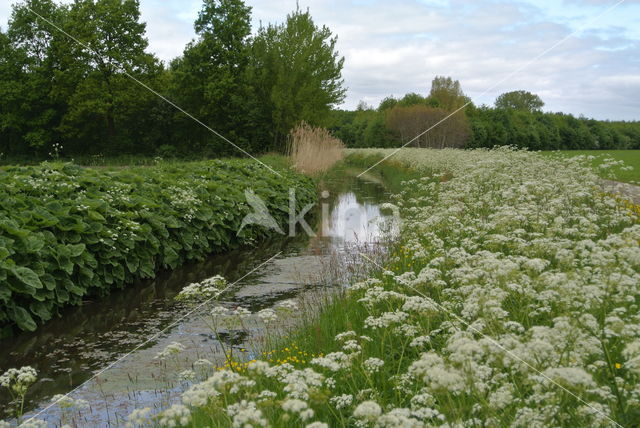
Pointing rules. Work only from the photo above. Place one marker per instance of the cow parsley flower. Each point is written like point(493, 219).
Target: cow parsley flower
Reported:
point(139, 417)
point(174, 348)
point(245, 413)
point(175, 416)
point(341, 401)
point(373, 365)
point(368, 410)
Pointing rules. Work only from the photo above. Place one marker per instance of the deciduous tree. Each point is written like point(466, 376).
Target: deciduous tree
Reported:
point(519, 100)
point(297, 74)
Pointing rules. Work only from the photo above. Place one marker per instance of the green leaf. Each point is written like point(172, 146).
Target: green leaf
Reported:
point(96, 216)
point(41, 309)
point(76, 250)
point(34, 243)
point(27, 277)
point(22, 318)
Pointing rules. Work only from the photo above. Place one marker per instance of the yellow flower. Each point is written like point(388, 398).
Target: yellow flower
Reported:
point(618, 365)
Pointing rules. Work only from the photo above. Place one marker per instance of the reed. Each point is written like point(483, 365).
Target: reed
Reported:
point(313, 150)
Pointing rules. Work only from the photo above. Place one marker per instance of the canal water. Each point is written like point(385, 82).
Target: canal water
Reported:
point(98, 337)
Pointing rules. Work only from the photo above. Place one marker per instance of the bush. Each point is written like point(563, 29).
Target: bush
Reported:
point(67, 231)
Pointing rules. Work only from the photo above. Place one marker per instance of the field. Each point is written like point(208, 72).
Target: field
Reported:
point(509, 299)
point(631, 158)
point(70, 232)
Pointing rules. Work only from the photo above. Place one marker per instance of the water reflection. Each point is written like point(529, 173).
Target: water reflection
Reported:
point(354, 222)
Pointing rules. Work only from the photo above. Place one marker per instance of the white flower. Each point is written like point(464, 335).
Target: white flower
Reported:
point(66, 402)
point(19, 380)
point(287, 306)
point(267, 316)
point(351, 346)
point(317, 425)
point(341, 401)
point(367, 410)
point(174, 416)
point(373, 365)
point(386, 319)
point(188, 375)
point(173, 348)
point(258, 366)
point(334, 361)
point(298, 406)
point(139, 417)
point(33, 423)
point(245, 413)
point(266, 395)
point(341, 337)
point(205, 290)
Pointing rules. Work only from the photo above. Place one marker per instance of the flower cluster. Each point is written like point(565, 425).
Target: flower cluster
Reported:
point(203, 290)
point(19, 380)
point(174, 348)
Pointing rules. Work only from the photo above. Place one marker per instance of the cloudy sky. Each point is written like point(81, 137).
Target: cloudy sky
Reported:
point(397, 46)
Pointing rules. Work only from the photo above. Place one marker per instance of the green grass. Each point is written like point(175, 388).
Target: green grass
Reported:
point(629, 157)
point(462, 339)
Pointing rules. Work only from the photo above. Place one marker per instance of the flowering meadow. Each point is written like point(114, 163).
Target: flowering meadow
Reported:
point(67, 232)
point(510, 298)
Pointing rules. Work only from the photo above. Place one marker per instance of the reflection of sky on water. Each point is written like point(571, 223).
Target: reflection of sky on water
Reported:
point(353, 221)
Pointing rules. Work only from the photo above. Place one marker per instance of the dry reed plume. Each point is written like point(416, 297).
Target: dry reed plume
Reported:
point(313, 150)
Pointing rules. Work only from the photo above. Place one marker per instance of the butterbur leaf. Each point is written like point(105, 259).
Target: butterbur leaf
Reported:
point(76, 250)
point(41, 310)
point(34, 243)
point(22, 318)
point(27, 277)
point(95, 215)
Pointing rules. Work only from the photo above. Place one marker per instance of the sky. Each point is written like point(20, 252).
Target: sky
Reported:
point(580, 56)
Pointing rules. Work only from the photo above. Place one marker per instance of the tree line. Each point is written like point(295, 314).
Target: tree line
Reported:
point(516, 119)
point(94, 95)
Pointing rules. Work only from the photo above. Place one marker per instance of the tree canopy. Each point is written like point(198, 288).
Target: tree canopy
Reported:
point(519, 100)
point(251, 90)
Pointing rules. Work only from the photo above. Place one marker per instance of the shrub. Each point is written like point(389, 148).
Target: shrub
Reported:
point(67, 231)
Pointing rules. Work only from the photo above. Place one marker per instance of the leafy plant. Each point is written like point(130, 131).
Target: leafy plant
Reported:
point(67, 231)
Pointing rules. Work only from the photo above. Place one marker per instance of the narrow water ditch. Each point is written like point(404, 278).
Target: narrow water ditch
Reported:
point(68, 351)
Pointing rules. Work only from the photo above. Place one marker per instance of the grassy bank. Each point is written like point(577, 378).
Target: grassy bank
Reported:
point(509, 300)
point(67, 232)
point(596, 158)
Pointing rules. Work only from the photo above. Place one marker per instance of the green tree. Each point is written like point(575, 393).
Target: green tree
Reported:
point(519, 100)
point(387, 104)
point(448, 93)
point(102, 98)
point(210, 79)
point(29, 114)
point(297, 74)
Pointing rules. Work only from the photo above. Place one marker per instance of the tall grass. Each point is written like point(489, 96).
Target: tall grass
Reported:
point(313, 150)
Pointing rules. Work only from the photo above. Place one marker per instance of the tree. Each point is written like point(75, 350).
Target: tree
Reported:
point(519, 100)
point(412, 99)
point(387, 103)
point(297, 74)
point(29, 114)
point(409, 122)
point(448, 93)
point(101, 96)
point(211, 81)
